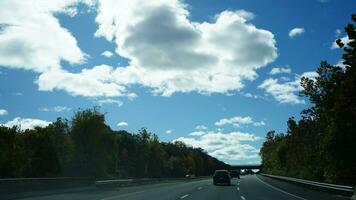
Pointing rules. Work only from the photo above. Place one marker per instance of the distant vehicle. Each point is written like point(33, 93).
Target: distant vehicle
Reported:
point(190, 176)
point(222, 176)
point(235, 174)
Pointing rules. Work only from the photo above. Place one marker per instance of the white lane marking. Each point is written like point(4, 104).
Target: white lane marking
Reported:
point(199, 188)
point(243, 198)
point(238, 188)
point(184, 196)
point(295, 196)
point(122, 195)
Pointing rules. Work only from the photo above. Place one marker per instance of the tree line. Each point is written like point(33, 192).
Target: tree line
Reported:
point(321, 145)
point(87, 147)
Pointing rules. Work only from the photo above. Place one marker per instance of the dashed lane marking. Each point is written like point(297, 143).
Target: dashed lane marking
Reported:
point(184, 196)
point(238, 188)
point(243, 198)
point(199, 188)
point(280, 190)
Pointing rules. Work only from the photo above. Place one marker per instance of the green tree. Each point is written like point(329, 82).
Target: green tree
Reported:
point(95, 147)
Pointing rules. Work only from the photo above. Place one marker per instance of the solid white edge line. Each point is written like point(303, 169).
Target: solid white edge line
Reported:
point(184, 196)
point(243, 198)
point(280, 190)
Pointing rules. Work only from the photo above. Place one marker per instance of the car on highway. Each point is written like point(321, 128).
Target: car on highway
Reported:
point(221, 177)
point(235, 174)
point(190, 176)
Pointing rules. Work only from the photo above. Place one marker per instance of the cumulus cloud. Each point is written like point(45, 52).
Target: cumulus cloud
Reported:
point(295, 32)
point(237, 121)
point(286, 92)
point(26, 123)
point(93, 82)
point(218, 56)
point(110, 101)
point(201, 127)
point(183, 56)
point(261, 123)
point(344, 40)
point(169, 131)
point(56, 109)
point(250, 95)
point(280, 70)
point(197, 133)
point(119, 124)
point(228, 147)
point(3, 112)
point(107, 54)
point(32, 38)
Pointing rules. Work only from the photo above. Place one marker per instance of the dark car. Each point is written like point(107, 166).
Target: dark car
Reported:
point(235, 174)
point(221, 176)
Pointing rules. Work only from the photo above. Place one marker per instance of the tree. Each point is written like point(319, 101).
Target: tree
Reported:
point(321, 146)
point(94, 144)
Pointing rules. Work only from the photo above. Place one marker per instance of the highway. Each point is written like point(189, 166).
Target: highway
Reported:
point(250, 187)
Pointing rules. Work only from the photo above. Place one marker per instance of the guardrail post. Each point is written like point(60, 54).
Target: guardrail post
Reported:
point(354, 195)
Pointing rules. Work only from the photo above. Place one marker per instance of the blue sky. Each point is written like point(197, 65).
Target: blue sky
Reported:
point(214, 74)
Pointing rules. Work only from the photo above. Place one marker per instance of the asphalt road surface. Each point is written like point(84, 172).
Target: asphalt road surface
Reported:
point(250, 187)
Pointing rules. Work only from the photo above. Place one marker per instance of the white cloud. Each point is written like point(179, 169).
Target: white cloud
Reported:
point(236, 121)
point(228, 147)
point(295, 32)
point(168, 131)
point(56, 109)
point(107, 54)
point(344, 40)
point(32, 38)
point(110, 101)
point(337, 32)
point(250, 95)
point(201, 127)
point(122, 124)
point(3, 112)
point(26, 123)
point(286, 92)
point(261, 123)
point(280, 70)
point(93, 82)
point(183, 56)
point(197, 133)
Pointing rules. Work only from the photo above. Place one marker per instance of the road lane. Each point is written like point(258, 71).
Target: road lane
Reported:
point(249, 187)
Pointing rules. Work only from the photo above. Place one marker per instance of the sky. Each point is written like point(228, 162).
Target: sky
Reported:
point(215, 74)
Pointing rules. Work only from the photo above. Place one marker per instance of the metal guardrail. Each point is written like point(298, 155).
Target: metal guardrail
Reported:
point(116, 181)
point(44, 178)
point(340, 188)
point(140, 181)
